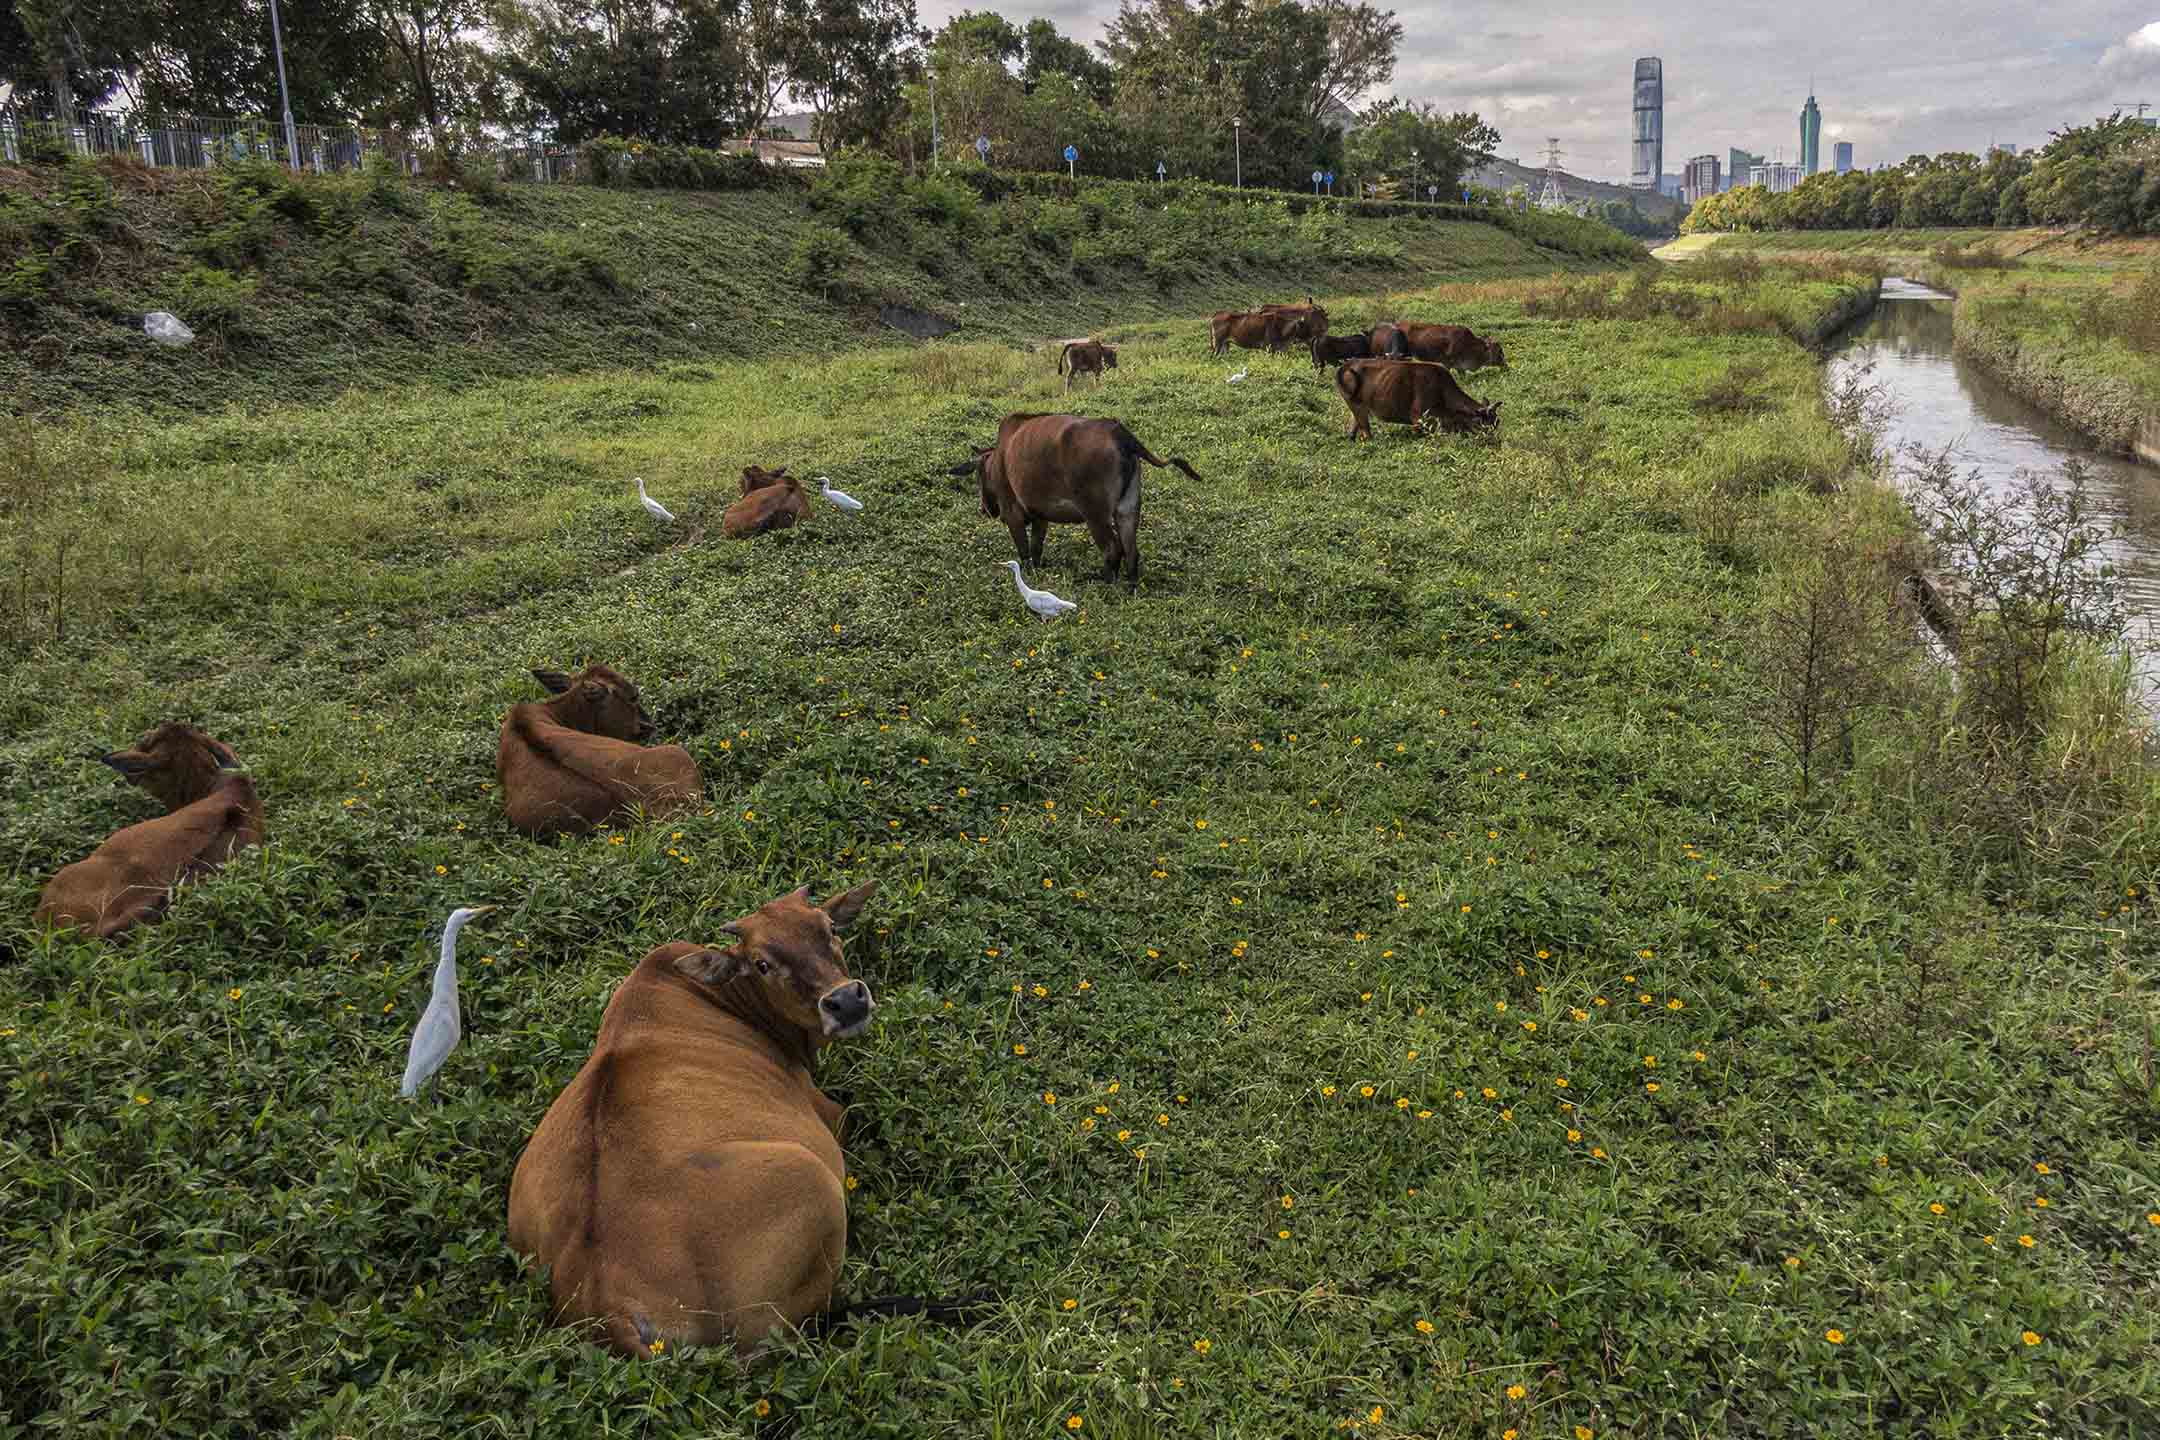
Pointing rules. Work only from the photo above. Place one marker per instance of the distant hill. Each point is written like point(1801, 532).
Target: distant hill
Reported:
point(1507, 174)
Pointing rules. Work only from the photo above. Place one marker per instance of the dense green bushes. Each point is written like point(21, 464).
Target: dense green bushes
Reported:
point(2106, 175)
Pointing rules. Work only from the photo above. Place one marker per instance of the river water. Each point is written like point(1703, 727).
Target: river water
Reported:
point(1942, 401)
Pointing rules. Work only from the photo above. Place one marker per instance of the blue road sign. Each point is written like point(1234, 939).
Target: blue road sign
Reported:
point(1330, 177)
point(1072, 153)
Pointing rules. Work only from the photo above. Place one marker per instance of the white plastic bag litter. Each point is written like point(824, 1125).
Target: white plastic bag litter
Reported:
point(166, 329)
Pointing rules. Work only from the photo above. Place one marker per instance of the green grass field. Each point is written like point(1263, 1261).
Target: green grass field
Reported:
point(1377, 976)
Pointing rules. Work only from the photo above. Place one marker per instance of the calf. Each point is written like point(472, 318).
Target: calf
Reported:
point(686, 1188)
point(567, 764)
point(1064, 468)
point(1085, 357)
point(1455, 346)
point(771, 500)
point(1406, 392)
point(1334, 350)
point(214, 811)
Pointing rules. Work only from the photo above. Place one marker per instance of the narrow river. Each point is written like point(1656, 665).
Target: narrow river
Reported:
point(1942, 401)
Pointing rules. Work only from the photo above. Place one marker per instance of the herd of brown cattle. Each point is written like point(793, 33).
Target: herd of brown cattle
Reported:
point(686, 1187)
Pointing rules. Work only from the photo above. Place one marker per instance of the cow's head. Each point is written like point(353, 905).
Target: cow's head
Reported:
point(754, 478)
point(789, 949)
point(982, 467)
point(1109, 356)
point(175, 762)
point(598, 702)
point(1316, 320)
point(1495, 356)
point(1489, 415)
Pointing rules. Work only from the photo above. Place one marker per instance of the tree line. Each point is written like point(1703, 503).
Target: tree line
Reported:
point(2106, 175)
point(1275, 89)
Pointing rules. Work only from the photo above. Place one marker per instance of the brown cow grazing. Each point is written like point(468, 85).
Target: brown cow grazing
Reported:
point(1333, 350)
point(1406, 392)
point(1269, 327)
point(1085, 357)
point(1386, 342)
point(1455, 346)
point(772, 500)
point(686, 1188)
point(573, 762)
point(1065, 468)
point(128, 879)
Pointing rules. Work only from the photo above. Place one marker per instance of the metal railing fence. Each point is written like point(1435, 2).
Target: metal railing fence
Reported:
point(201, 142)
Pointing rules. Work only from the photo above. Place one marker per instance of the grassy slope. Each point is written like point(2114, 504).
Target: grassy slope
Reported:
point(2027, 324)
point(1401, 751)
point(365, 283)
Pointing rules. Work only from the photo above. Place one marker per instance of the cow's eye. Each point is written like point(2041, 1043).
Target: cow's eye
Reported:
point(764, 967)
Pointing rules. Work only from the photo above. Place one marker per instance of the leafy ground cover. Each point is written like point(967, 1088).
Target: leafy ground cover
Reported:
point(302, 287)
point(1380, 976)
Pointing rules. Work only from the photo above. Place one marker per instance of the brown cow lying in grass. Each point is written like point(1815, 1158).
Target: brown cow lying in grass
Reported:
point(1406, 392)
point(772, 500)
point(570, 763)
point(1085, 357)
point(686, 1187)
point(1046, 468)
point(214, 812)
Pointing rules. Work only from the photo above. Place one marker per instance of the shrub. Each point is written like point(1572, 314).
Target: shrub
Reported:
point(820, 258)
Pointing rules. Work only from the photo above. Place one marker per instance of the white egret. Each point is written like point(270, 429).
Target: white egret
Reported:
point(838, 497)
point(1239, 377)
point(652, 507)
point(1042, 602)
point(438, 1032)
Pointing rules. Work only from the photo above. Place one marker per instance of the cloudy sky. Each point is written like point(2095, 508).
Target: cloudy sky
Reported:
point(1894, 78)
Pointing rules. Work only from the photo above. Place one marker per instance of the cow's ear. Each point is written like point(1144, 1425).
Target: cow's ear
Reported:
point(779, 474)
point(844, 908)
point(129, 762)
point(714, 967)
point(970, 468)
point(552, 681)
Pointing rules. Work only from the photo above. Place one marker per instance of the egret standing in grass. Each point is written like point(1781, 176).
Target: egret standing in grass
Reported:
point(1240, 376)
point(652, 507)
point(840, 498)
point(438, 1032)
point(1042, 602)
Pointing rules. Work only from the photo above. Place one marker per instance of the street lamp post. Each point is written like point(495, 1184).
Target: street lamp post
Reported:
point(277, 43)
point(933, 118)
point(1237, 137)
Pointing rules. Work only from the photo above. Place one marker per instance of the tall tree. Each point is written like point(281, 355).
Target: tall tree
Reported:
point(427, 37)
point(851, 68)
point(213, 57)
point(78, 51)
point(1361, 45)
point(1050, 53)
point(664, 70)
point(1418, 145)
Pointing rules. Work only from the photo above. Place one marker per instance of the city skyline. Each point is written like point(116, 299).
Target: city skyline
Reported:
point(1927, 78)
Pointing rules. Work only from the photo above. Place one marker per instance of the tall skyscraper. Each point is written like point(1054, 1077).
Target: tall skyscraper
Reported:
point(1702, 177)
point(1739, 168)
point(1810, 136)
point(1842, 153)
point(1649, 157)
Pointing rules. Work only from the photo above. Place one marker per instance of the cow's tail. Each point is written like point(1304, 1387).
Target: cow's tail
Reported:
point(1130, 444)
point(965, 1310)
point(1347, 380)
point(1064, 356)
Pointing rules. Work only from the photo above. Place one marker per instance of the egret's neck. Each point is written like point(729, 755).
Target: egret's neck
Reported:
point(446, 966)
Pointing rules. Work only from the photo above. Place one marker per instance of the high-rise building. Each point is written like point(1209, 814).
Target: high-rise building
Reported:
point(1810, 136)
point(1649, 147)
point(1702, 177)
point(1842, 156)
point(1739, 167)
point(1777, 177)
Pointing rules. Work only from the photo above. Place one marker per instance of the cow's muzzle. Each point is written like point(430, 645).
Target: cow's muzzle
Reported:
point(845, 1009)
